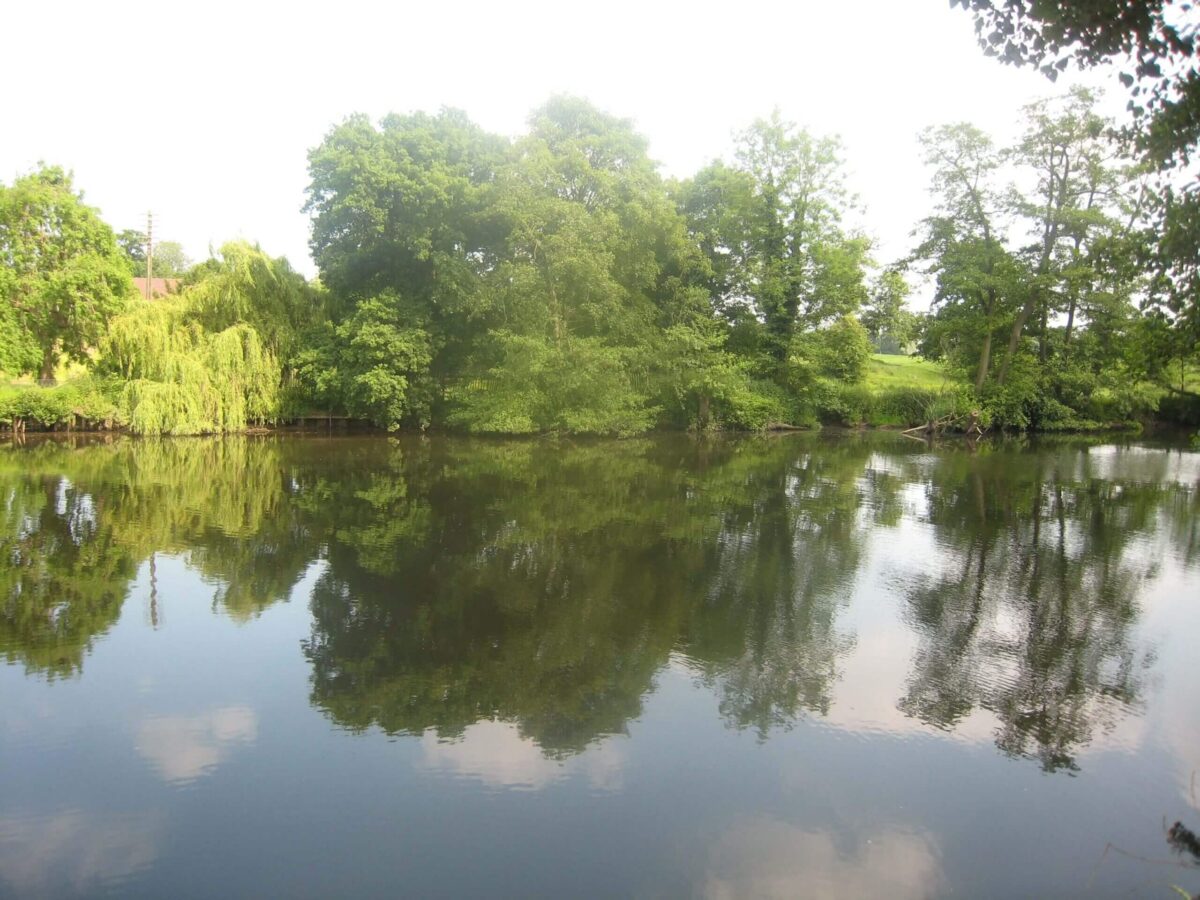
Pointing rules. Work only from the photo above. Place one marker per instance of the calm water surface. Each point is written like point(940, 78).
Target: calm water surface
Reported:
point(810, 665)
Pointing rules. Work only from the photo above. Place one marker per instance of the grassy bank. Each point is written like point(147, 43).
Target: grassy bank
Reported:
point(886, 371)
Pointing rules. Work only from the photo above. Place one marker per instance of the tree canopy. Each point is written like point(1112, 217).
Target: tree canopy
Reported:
point(556, 283)
point(62, 275)
point(1154, 46)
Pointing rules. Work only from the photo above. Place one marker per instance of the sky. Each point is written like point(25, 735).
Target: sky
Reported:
point(204, 112)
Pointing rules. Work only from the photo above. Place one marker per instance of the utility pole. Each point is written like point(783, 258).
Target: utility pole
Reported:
point(149, 255)
point(153, 594)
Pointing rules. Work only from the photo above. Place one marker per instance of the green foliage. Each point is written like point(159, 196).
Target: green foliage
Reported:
point(846, 350)
point(181, 379)
point(62, 276)
point(1154, 43)
point(382, 356)
point(580, 387)
point(209, 358)
point(1076, 394)
point(243, 285)
point(839, 403)
point(890, 325)
point(705, 386)
point(771, 228)
point(1048, 331)
point(555, 283)
point(83, 401)
point(19, 350)
point(374, 365)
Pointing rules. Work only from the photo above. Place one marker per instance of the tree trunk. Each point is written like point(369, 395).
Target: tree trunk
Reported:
point(1049, 236)
point(1043, 350)
point(703, 412)
point(1014, 339)
point(1070, 325)
point(985, 360)
point(46, 375)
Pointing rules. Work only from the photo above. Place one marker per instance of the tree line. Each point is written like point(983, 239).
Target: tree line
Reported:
point(558, 283)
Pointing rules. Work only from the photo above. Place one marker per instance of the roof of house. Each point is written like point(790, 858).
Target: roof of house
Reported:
point(159, 287)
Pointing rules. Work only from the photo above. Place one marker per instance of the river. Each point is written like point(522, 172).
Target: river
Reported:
point(782, 666)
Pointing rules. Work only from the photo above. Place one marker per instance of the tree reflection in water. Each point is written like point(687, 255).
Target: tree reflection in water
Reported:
point(545, 584)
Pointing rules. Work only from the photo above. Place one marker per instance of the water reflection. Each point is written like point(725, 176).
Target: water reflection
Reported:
point(74, 851)
point(525, 596)
point(496, 754)
point(184, 748)
point(1029, 607)
point(64, 576)
point(767, 858)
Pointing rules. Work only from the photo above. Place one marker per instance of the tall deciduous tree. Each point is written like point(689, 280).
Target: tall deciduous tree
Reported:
point(772, 227)
point(1066, 149)
point(1154, 44)
point(405, 210)
point(964, 247)
point(595, 264)
point(65, 276)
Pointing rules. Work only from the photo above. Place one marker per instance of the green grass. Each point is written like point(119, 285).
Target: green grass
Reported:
point(894, 371)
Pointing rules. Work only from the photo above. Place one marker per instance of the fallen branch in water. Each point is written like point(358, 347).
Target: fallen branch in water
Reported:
point(1183, 840)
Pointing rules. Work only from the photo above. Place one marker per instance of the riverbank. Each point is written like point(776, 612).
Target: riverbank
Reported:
point(896, 393)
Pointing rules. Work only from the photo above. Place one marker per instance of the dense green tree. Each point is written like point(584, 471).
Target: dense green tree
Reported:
point(405, 210)
point(381, 356)
point(64, 275)
point(597, 263)
point(545, 274)
point(1060, 307)
point(772, 229)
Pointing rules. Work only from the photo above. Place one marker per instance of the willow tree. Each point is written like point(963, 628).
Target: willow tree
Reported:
point(241, 284)
point(63, 277)
point(182, 379)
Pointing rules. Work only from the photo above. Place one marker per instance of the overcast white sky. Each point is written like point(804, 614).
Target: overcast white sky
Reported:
point(204, 112)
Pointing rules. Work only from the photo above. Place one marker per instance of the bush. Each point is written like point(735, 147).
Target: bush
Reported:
point(857, 404)
point(83, 402)
point(580, 387)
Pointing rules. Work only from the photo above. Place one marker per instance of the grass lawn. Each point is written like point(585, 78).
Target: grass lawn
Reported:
point(887, 370)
